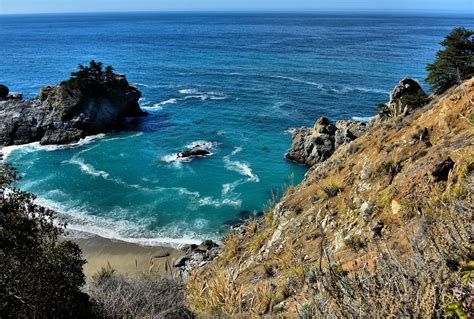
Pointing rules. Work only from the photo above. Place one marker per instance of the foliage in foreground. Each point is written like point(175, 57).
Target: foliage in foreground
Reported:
point(40, 276)
point(116, 296)
point(455, 63)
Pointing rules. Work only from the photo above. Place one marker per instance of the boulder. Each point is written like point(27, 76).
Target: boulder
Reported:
point(181, 261)
point(312, 146)
point(62, 136)
point(347, 131)
point(3, 92)
point(16, 96)
point(195, 152)
point(406, 86)
point(441, 168)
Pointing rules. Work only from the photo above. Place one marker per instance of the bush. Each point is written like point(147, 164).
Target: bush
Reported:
point(149, 297)
point(453, 64)
point(40, 276)
point(414, 101)
point(91, 77)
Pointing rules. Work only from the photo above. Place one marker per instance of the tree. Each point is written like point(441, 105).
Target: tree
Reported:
point(40, 276)
point(454, 63)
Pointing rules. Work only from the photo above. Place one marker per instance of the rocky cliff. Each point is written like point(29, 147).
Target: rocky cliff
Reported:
point(380, 229)
point(69, 111)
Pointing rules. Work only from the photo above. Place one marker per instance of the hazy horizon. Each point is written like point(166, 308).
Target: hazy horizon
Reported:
point(213, 6)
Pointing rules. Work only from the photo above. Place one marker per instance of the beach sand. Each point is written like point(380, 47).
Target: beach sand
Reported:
point(128, 259)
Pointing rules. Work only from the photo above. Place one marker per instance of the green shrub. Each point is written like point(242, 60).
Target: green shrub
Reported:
point(40, 276)
point(454, 63)
point(416, 100)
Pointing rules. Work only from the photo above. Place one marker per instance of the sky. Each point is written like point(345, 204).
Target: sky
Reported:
point(59, 6)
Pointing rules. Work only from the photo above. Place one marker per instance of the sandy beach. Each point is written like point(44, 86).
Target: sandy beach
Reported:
point(128, 259)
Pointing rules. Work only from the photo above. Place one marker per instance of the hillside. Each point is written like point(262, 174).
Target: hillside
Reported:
point(380, 229)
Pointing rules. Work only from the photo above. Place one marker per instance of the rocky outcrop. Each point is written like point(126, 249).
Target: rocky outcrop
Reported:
point(389, 212)
point(406, 96)
point(65, 113)
point(197, 256)
point(406, 86)
point(315, 145)
point(194, 152)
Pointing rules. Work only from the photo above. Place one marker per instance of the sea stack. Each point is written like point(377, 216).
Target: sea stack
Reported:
point(93, 101)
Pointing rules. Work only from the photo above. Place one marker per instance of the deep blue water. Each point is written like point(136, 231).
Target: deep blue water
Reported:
point(236, 81)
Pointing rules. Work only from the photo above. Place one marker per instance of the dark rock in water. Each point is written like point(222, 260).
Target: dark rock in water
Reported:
point(69, 111)
point(441, 169)
point(312, 146)
point(62, 136)
point(195, 152)
point(4, 91)
point(407, 86)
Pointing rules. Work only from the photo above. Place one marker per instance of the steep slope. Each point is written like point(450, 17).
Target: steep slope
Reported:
point(380, 229)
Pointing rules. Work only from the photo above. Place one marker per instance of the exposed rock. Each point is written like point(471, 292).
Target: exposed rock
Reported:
point(197, 256)
point(347, 131)
point(441, 169)
point(395, 108)
point(65, 113)
point(3, 92)
point(62, 136)
point(16, 96)
point(312, 146)
point(181, 261)
point(195, 152)
point(406, 86)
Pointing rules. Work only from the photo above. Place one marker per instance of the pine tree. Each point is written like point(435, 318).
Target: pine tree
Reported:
point(454, 63)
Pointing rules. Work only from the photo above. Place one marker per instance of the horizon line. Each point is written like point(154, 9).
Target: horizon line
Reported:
point(247, 11)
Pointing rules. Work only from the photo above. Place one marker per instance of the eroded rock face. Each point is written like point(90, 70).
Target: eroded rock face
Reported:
point(65, 113)
point(197, 256)
point(312, 146)
point(396, 108)
point(406, 86)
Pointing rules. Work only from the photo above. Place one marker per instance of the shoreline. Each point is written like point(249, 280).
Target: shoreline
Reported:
point(129, 259)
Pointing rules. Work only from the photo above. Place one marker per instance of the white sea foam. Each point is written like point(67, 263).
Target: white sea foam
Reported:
point(365, 119)
point(80, 220)
point(210, 201)
point(343, 90)
point(240, 167)
point(87, 168)
point(203, 96)
point(208, 145)
point(318, 85)
point(33, 147)
point(175, 158)
point(189, 91)
point(291, 130)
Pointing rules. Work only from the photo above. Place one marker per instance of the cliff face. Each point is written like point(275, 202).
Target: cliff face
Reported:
point(65, 113)
point(379, 229)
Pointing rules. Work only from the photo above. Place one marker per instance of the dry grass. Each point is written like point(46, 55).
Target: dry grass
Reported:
point(116, 296)
point(367, 234)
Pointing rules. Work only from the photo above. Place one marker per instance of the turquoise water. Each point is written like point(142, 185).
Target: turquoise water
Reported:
point(235, 83)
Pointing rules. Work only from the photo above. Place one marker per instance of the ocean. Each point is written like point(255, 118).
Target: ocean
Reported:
point(236, 83)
